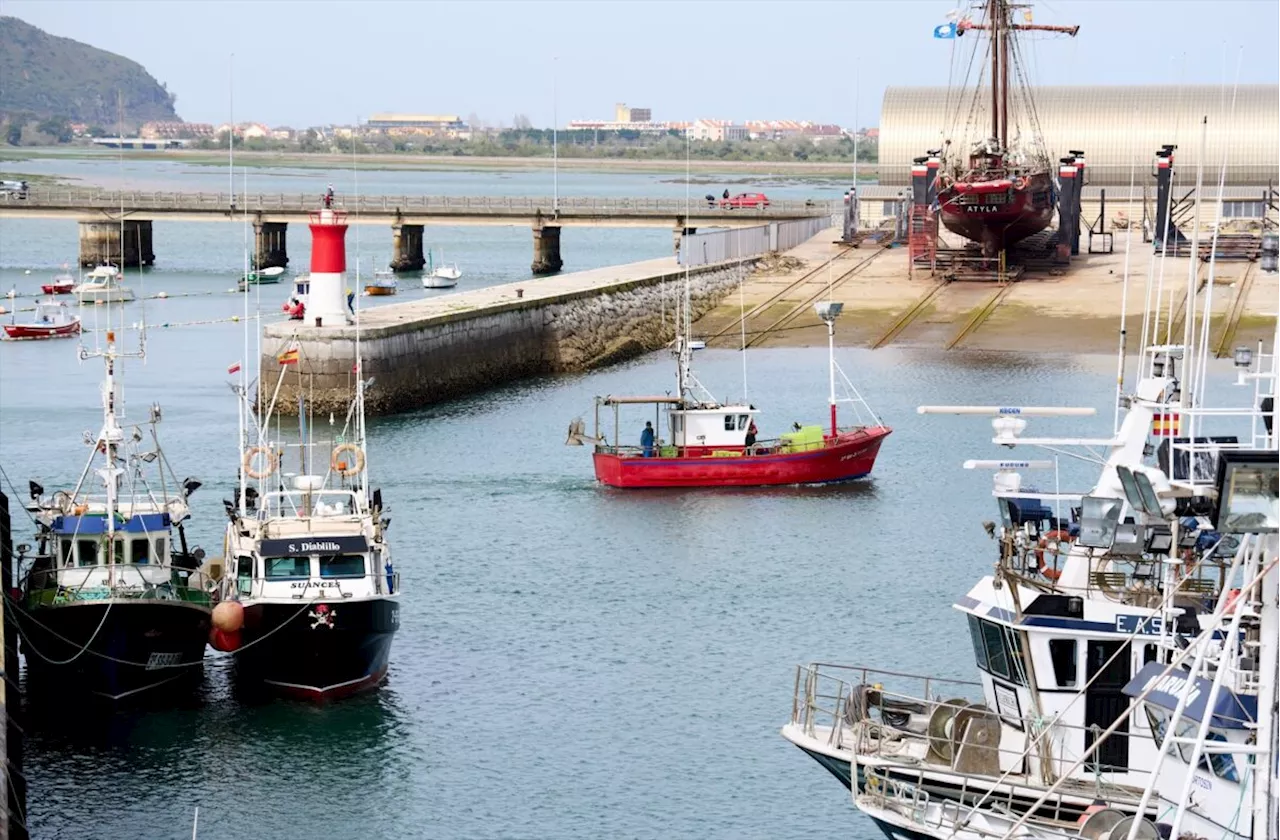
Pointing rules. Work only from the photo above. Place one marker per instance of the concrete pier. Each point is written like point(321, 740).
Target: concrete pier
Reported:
point(438, 348)
point(546, 249)
point(406, 247)
point(100, 242)
point(270, 248)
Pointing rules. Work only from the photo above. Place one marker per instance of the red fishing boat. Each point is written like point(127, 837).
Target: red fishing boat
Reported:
point(1000, 194)
point(52, 320)
point(712, 444)
point(62, 284)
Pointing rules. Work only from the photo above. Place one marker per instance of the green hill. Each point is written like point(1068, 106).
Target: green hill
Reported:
point(43, 75)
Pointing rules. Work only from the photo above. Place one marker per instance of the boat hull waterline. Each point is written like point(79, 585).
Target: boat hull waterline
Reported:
point(851, 455)
point(319, 651)
point(114, 648)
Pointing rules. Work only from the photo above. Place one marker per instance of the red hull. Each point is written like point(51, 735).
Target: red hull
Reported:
point(850, 455)
point(1027, 210)
point(22, 331)
point(58, 288)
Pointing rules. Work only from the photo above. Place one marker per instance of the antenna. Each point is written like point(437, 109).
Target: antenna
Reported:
point(555, 130)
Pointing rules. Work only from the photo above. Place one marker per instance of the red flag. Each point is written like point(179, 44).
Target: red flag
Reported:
point(233, 368)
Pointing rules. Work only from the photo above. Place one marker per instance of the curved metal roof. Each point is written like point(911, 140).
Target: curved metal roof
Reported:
point(1116, 127)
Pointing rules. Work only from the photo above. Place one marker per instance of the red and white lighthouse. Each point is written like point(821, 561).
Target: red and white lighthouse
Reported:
point(327, 301)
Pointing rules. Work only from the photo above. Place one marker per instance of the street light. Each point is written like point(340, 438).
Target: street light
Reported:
point(828, 311)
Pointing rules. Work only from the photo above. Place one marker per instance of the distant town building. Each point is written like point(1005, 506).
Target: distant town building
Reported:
point(247, 131)
point(623, 114)
point(283, 133)
point(718, 131)
point(821, 134)
point(174, 129)
point(614, 125)
point(400, 125)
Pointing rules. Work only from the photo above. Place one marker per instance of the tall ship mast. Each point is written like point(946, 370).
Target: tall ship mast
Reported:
point(114, 603)
point(1003, 190)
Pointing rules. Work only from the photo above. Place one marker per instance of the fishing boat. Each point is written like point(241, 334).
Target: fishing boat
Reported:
point(712, 444)
point(1089, 589)
point(102, 285)
point(1002, 190)
point(61, 284)
point(52, 319)
point(310, 587)
point(261, 277)
point(440, 276)
point(113, 602)
point(383, 283)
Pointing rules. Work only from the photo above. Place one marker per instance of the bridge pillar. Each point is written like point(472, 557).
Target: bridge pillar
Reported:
point(406, 247)
point(269, 244)
point(546, 249)
point(101, 242)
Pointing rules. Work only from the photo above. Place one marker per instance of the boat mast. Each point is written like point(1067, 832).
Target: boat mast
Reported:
point(992, 6)
point(1004, 76)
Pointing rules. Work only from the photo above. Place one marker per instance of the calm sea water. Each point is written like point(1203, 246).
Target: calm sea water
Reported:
point(573, 662)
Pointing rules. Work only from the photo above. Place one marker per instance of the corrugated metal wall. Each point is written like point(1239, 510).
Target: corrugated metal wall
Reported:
point(1116, 126)
point(739, 243)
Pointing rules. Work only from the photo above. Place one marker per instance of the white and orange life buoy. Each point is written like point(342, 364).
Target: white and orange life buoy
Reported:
point(1020, 183)
point(1057, 538)
point(343, 467)
point(252, 454)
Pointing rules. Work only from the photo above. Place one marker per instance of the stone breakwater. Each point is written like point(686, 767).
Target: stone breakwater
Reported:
point(425, 352)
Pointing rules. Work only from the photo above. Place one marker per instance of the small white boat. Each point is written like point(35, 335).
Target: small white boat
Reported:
point(102, 284)
point(442, 276)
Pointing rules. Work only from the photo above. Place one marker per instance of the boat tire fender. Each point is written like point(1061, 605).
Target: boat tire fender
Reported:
point(250, 454)
point(347, 467)
point(1056, 537)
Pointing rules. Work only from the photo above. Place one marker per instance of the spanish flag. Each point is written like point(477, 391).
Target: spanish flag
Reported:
point(1166, 425)
point(289, 356)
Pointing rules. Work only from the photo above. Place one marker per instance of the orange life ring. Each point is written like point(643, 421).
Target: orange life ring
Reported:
point(1019, 183)
point(250, 454)
point(1056, 537)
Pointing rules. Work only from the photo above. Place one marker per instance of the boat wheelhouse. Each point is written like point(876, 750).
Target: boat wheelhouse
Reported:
point(114, 602)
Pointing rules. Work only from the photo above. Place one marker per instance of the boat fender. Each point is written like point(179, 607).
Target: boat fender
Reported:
point(1020, 183)
point(343, 466)
point(252, 453)
point(1056, 537)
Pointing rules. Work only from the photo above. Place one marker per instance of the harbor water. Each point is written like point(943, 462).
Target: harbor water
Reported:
point(573, 662)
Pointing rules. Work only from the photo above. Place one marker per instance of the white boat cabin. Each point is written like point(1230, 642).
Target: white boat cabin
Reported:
point(720, 427)
point(308, 545)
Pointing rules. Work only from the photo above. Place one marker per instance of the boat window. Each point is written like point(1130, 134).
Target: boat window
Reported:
point(742, 422)
point(284, 568)
point(1224, 766)
point(159, 556)
point(138, 550)
point(87, 551)
point(1063, 654)
point(728, 423)
point(677, 423)
point(1149, 654)
point(244, 574)
point(117, 550)
point(342, 566)
point(979, 649)
point(1003, 652)
point(1159, 723)
point(64, 553)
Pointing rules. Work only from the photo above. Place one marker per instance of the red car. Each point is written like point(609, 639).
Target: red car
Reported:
point(745, 200)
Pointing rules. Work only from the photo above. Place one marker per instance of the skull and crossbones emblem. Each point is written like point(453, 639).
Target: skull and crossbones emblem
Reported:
point(322, 616)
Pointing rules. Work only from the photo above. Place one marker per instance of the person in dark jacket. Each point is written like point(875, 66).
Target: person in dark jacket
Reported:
point(646, 439)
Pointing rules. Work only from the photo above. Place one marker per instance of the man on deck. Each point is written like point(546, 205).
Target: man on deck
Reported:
point(646, 439)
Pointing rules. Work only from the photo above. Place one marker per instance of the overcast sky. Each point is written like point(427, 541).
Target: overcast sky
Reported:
point(308, 62)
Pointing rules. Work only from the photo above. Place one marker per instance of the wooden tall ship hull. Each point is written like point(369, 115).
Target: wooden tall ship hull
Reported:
point(999, 212)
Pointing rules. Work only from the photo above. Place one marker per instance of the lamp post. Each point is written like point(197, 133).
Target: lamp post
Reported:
point(828, 311)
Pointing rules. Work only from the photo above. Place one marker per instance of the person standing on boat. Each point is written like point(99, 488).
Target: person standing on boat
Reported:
point(751, 434)
point(646, 439)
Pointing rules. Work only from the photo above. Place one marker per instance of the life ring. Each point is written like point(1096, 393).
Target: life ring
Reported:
point(1055, 537)
point(347, 468)
point(253, 452)
point(1019, 183)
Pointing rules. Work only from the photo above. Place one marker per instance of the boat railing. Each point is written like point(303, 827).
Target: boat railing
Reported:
point(142, 581)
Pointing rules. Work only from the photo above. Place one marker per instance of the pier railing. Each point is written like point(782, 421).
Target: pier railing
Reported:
point(62, 198)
